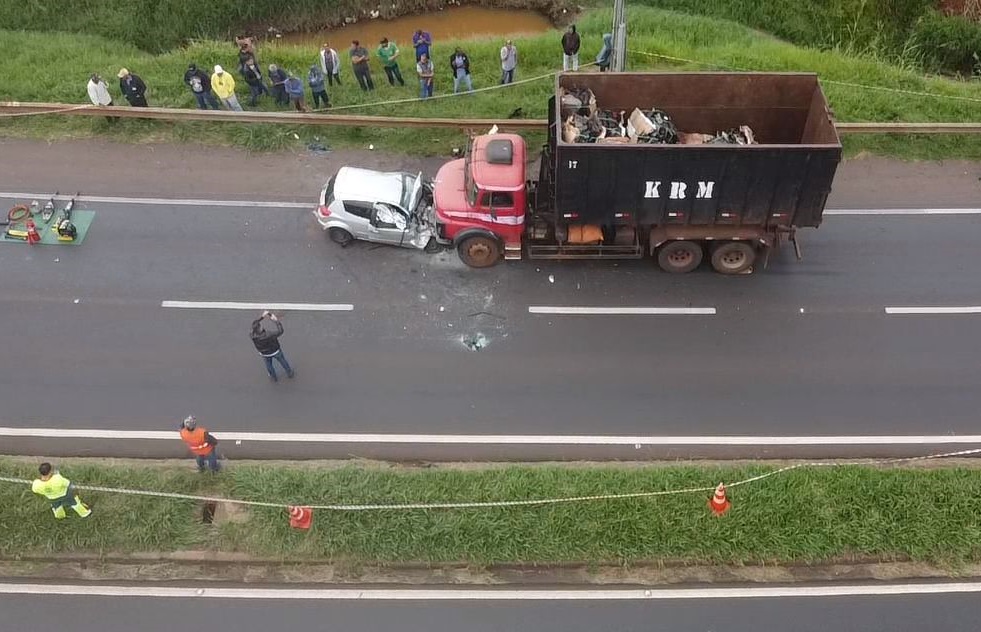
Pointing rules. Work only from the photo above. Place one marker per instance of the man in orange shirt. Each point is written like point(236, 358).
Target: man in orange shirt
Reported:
point(201, 443)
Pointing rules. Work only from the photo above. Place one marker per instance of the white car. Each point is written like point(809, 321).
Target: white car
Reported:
point(393, 208)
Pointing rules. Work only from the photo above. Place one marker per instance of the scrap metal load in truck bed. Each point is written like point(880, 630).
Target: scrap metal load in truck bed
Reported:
point(680, 166)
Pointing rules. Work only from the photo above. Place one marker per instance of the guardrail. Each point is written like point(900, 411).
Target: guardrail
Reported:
point(14, 108)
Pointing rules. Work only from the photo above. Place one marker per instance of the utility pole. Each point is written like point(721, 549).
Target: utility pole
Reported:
point(619, 58)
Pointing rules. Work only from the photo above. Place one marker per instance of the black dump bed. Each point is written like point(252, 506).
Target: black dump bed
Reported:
point(783, 178)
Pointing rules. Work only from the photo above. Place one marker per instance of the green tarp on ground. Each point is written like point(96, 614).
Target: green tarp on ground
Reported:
point(49, 237)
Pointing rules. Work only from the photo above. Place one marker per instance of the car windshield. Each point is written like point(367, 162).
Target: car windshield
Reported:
point(408, 184)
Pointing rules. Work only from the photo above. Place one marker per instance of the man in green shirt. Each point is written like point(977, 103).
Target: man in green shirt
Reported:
point(388, 52)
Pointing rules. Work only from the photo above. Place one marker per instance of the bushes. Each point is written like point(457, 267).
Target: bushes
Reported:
point(948, 43)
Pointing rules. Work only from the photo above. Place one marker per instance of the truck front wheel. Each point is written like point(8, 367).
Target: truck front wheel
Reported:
point(479, 251)
point(679, 256)
point(733, 257)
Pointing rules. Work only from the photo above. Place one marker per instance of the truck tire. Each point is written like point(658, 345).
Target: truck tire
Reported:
point(679, 256)
point(340, 236)
point(479, 251)
point(733, 257)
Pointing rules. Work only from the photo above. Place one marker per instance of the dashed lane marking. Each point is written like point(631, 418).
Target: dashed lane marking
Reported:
point(595, 311)
point(290, 307)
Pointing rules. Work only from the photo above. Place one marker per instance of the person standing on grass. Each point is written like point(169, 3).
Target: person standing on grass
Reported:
point(316, 80)
point(509, 61)
point(605, 56)
point(424, 68)
point(246, 49)
point(388, 52)
point(266, 331)
point(224, 86)
point(201, 443)
point(277, 77)
point(294, 87)
point(253, 77)
point(59, 491)
point(421, 41)
point(200, 85)
point(460, 64)
point(570, 49)
point(359, 61)
point(330, 63)
point(133, 88)
point(99, 94)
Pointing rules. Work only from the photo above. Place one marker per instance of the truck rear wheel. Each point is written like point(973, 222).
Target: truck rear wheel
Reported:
point(479, 251)
point(679, 256)
point(733, 257)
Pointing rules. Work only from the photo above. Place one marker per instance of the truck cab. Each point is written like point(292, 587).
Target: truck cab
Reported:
point(480, 200)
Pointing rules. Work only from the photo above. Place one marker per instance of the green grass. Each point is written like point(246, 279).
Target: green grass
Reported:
point(52, 67)
point(805, 516)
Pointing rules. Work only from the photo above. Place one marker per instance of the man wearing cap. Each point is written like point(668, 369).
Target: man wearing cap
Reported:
point(132, 88)
point(224, 86)
point(201, 443)
point(200, 85)
point(59, 491)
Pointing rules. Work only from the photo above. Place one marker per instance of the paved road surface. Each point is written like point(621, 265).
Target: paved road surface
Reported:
point(800, 349)
point(905, 613)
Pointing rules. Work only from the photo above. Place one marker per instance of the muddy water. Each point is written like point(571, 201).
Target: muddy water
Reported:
point(451, 23)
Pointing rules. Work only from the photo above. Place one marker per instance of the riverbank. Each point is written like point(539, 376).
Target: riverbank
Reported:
point(814, 516)
point(859, 89)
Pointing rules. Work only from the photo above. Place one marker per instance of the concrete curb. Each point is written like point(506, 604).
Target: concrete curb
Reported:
point(239, 568)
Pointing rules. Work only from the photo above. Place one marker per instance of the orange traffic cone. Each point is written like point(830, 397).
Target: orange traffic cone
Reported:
point(301, 517)
point(718, 503)
point(32, 235)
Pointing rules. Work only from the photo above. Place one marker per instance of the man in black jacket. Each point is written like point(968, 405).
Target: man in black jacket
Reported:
point(460, 63)
point(200, 84)
point(570, 49)
point(266, 331)
point(132, 88)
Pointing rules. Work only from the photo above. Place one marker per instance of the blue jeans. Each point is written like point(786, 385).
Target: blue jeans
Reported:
point(462, 77)
point(507, 76)
point(205, 99)
point(255, 91)
point(210, 459)
point(281, 358)
point(425, 88)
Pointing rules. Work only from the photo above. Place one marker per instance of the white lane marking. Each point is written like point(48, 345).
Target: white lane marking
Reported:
point(312, 204)
point(492, 594)
point(294, 307)
point(902, 211)
point(378, 438)
point(970, 309)
point(593, 311)
point(164, 201)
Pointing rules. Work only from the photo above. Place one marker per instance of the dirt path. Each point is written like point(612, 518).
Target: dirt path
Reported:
point(99, 167)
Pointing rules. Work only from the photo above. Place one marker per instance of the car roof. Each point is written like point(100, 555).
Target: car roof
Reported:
point(354, 183)
point(497, 176)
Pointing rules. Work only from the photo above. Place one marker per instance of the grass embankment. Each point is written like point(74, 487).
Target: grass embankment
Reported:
point(53, 67)
point(805, 516)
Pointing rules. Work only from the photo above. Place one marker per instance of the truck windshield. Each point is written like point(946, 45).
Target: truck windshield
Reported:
point(468, 183)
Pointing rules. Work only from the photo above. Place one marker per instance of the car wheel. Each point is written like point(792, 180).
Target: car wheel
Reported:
point(433, 246)
point(340, 236)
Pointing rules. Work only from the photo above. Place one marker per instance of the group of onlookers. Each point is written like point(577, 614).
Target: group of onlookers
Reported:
point(218, 88)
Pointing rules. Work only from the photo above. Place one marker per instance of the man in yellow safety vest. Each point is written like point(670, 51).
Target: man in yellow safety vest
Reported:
point(60, 491)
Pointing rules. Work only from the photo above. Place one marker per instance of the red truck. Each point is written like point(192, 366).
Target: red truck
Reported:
point(622, 199)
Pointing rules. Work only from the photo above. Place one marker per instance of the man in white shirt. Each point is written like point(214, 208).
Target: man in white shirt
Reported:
point(330, 64)
point(509, 61)
point(99, 94)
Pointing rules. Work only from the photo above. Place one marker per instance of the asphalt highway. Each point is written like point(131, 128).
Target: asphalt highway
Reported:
point(893, 613)
point(801, 348)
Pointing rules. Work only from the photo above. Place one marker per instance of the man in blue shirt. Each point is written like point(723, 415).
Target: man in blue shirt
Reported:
point(422, 41)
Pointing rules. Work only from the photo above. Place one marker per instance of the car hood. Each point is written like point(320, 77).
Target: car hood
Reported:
point(354, 183)
point(449, 191)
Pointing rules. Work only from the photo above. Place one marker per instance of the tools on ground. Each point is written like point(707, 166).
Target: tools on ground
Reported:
point(49, 208)
point(65, 228)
